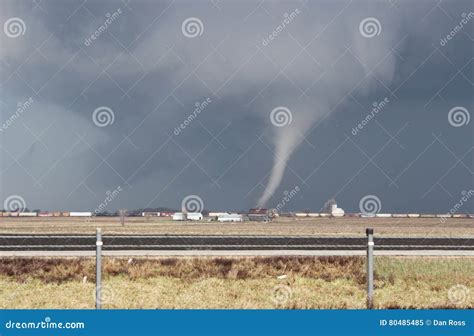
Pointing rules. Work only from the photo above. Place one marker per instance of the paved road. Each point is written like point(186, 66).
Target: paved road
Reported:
point(235, 244)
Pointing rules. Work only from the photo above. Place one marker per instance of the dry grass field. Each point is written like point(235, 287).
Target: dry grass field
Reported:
point(278, 282)
point(455, 227)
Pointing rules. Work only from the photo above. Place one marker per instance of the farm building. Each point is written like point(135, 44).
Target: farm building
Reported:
point(301, 214)
point(27, 214)
point(460, 216)
point(151, 214)
point(217, 214)
point(213, 215)
point(259, 215)
point(233, 217)
point(80, 214)
point(428, 215)
point(399, 215)
point(193, 216)
point(336, 212)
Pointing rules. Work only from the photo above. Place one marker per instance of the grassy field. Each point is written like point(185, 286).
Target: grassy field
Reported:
point(279, 282)
point(454, 227)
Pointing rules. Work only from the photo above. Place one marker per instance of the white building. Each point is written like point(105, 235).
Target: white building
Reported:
point(151, 214)
point(336, 212)
point(233, 217)
point(217, 214)
point(27, 214)
point(80, 214)
point(194, 216)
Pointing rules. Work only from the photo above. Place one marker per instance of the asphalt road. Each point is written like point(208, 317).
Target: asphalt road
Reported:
point(189, 244)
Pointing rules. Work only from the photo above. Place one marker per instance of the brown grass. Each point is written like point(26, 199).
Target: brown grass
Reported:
point(307, 282)
point(60, 270)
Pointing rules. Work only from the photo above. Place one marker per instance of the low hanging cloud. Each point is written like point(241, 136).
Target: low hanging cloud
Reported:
point(344, 42)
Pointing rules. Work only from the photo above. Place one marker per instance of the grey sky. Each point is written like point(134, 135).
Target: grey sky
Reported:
point(319, 65)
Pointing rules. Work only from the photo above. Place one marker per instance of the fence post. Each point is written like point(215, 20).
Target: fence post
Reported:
point(122, 213)
point(370, 268)
point(98, 269)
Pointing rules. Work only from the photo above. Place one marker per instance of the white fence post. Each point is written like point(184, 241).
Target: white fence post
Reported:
point(370, 268)
point(98, 269)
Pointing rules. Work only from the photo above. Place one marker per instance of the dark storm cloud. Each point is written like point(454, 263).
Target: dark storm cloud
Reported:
point(319, 66)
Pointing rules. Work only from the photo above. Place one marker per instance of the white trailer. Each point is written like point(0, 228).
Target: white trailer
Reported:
point(80, 214)
point(151, 214)
point(399, 215)
point(216, 214)
point(230, 218)
point(177, 216)
point(338, 212)
point(27, 214)
point(193, 216)
point(301, 214)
